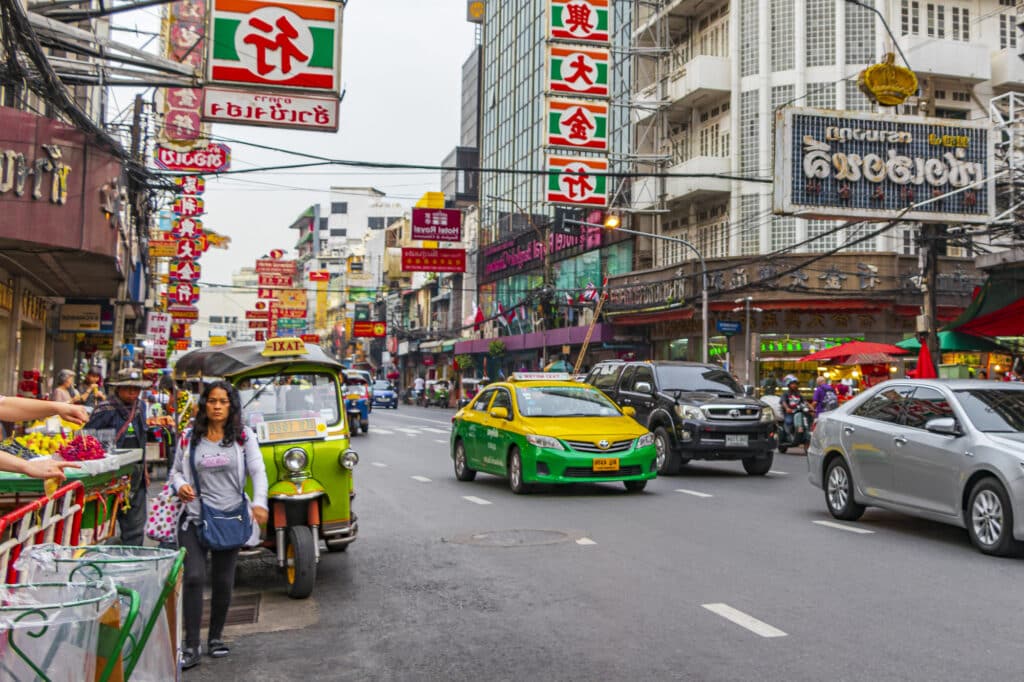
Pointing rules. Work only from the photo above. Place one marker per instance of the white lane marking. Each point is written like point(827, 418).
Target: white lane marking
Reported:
point(382, 465)
point(438, 440)
point(843, 526)
point(421, 479)
point(773, 472)
point(406, 417)
point(431, 429)
point(693, 492)
point(383, 432)
point(475, 500)
point(585, 541)
point(758, 627)
point(404, 429)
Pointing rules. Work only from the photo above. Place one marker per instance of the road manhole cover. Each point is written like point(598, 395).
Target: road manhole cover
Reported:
point(513, 538)
point(244, 610)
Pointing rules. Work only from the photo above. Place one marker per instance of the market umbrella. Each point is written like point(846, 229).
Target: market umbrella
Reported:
point(856, 353)
point(925, 368)
point(952, 342)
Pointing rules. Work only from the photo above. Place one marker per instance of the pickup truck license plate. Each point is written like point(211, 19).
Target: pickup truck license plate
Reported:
point(735, 440)
point(606, 464)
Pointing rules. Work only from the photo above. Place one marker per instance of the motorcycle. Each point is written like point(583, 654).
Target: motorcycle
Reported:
point(438, 396)
point(800, 432)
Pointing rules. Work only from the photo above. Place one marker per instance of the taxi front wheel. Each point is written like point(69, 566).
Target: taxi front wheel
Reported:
point(462, 470)
point(515, 473)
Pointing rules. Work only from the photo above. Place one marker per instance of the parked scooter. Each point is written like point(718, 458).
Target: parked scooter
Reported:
point(799, 433)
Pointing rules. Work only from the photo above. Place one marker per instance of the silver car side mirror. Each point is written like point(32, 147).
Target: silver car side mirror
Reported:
point(945, 426)
point(642, 387)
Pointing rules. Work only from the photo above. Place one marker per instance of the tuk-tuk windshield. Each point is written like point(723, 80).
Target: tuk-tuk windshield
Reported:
point(290, 396)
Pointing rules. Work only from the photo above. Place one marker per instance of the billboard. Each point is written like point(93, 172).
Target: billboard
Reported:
point(373, 329)
point(583, 21)
point(577, 180)
point(437, 224)
point(832, 164)
point(433, 260)
point(578, 124)
point(579, 71)
point(279, 110)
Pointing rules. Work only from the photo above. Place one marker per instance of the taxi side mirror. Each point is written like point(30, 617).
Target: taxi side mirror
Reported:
point(499, 412)
point(629, 411)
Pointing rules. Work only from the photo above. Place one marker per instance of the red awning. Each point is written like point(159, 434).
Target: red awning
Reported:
point(656, 316)
point(1007, 321)
point(840, 305)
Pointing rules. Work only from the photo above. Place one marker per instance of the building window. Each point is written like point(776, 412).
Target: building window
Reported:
point(783, 55)
point(937, 21)
point(782, 233)
point(857, 239)
point(860, 34)
point(710, 232)
point(855, 99)
point(338, 232)
point(910, 16)
point(216, 319)
point(748, 132)
point(908, 237)
point(748, 37)
point(750, 231)
point(821, 95)
point(782, 95)
point(1007, 31)
point(375, 223)
point(961, 24)
point(819, 34)
point(821, 236)
point(339, 207)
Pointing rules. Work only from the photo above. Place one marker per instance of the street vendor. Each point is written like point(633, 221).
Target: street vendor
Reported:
point(64, 390)
point(26, 409)
point(125, 413)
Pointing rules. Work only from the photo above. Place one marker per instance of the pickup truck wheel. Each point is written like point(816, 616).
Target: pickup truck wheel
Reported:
point(758, 466)
point(667, 461)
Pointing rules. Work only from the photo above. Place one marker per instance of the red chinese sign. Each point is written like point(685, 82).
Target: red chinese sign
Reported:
point(257, 314)
point(184, 271)
point(184, 42)
point(319, 276)
point(189, 206)
point(310, 338)
point(182, 294)
point(274, 280)
point(433, 260)
point(192, 185)
point(186, 228)
point(369, 329)
point(266, 266)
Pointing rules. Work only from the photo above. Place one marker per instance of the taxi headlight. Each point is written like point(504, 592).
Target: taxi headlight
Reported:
point(295, 460)
point(767, 415)
point(689, 412)
point(349, 459)
point(544, 442)
point(645, 440)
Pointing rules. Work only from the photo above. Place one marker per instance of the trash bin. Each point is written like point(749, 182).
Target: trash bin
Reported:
point(64, 631)
point(151, 651)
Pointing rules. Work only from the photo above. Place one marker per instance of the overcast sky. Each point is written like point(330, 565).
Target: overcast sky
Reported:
point(401, 69)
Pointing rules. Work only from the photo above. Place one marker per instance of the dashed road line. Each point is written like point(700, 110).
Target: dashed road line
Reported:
point(382, 465)
point(773, 472)
point(585, 541)
point(383, 432)
point(433, 430)
point(475, 500)
point(843, 526)
point(758, 627)
point(693, 492)
point(421, 479)
point(439, 440)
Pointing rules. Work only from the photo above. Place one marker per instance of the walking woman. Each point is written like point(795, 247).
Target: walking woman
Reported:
point(222, 452)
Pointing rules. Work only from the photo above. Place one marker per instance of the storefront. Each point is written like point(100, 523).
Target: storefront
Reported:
point(61, 215)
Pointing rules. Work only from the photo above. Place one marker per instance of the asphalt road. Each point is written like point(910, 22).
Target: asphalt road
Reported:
point(709, 575)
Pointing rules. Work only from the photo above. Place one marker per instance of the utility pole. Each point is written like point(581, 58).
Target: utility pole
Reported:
point(123, 231)
point(931, 236)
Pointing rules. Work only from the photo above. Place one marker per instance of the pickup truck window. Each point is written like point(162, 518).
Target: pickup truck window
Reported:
point(686, 378)
point(604, 376)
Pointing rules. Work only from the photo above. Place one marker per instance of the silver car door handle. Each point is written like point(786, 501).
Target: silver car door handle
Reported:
point(899, 440)
point(848, 429)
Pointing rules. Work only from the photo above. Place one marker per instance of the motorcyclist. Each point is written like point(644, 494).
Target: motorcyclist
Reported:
point(795, 408)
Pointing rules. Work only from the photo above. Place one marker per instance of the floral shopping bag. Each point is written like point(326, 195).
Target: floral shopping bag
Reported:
point(164, 510)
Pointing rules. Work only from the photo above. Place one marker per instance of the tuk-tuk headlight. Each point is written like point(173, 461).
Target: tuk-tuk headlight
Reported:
point(349, 459)
point(295, 460)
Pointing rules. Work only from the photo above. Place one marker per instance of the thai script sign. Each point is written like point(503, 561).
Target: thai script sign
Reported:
point(266, 266)
point(373, 329)
point(577, 180)
point(213, 158)
point(283, 44)
point(273, 279)
point(854, 165)
point(16, 170)
point(433, 260)
point(577, 124)
point(281, 110)
point(525, 252)
point(437, 224)
point(183, 33)
point(579, 20)
point(578, 71)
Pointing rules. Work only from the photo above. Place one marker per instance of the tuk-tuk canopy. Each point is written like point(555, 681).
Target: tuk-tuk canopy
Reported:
point(234, 358)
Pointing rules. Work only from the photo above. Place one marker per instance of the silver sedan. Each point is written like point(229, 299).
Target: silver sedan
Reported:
point(950, 451)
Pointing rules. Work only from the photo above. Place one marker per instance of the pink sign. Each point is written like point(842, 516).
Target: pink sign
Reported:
point(437, 224)
point(213, 158)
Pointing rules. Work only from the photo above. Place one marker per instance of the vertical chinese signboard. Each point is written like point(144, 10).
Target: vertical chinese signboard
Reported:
point(577, 109)
point(280, 63)
point(184, 29)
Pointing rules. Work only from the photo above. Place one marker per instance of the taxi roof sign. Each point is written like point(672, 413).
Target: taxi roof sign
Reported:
point(540, 376)
point(284, 346)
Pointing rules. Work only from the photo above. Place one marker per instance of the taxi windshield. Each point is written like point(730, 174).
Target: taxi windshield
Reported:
point(289, 396)
point(564, 401)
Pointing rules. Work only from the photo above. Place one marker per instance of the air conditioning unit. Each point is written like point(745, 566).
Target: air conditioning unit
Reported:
point(413, 323)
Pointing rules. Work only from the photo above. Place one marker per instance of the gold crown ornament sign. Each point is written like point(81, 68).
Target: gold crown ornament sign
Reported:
point(887, 83)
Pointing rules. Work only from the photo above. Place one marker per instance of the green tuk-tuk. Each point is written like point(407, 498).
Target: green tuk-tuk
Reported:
point(291, 398)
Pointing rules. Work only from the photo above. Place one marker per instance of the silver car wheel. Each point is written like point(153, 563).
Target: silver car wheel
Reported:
point(515, 472)
point(838, 488)
point(987, 517)
point(661, 450)
point(460, 459)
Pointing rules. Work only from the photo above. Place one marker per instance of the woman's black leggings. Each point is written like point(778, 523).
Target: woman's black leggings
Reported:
point(222, 581)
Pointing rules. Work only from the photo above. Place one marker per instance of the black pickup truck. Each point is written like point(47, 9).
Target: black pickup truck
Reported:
point(695, 411)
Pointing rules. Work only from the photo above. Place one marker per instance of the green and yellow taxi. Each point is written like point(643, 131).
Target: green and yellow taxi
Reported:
point(544, 428)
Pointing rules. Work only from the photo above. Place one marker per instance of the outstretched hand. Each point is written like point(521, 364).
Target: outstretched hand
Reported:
point(48, 468)
point(76, 414)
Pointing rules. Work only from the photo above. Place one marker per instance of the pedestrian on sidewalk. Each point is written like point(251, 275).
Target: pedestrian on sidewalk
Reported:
point(125, 414)
point(222, 453)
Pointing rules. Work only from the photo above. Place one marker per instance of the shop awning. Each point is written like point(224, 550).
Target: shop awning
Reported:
point(630, 319)
point(998, 309)
point(952, 342)
point(430, 346)
point(448, 345)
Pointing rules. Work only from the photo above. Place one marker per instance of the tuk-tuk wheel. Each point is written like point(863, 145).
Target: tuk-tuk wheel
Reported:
point(365, 426)
point(300, 562)
point(335, 546)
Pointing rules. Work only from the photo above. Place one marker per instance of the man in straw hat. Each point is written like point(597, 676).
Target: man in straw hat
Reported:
point(125, 414)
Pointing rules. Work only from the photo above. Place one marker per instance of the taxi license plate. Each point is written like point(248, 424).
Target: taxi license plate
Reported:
point(606, 464)
point(736, 440)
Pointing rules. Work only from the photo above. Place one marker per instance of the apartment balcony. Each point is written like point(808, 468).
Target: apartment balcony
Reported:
point(646, 193)
point(1007, 70)
point(968, 62)
point(702, 78)
point(674, 10)
point(693, 189)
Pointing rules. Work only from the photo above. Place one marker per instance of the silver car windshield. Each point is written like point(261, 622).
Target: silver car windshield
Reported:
point(564, 401)
point(994, 410)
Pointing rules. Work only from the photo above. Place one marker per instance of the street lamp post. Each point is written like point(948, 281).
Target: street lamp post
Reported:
point(613, 224)
point(746, 301)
